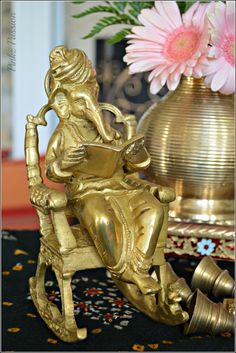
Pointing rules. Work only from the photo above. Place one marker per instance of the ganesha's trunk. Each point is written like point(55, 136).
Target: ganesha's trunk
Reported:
point(104, 129)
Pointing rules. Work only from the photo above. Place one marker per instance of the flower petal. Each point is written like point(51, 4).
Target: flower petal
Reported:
point(143, 65)
point(229, 86)
point(188, 71)
point(208, 80)
point(173, 84)
point(197, 72)
point(172, 11)
point(156, 72)
point(217, 17)
point(144, 46)
point(151, 17)
point(200, 18)
point(220, 78)
point(214, 66)
point(188, 15)
point(230, 7)
point(230, 17)
point(161, 11)
point(147, 34)
point(155, 86)
point(149, 46)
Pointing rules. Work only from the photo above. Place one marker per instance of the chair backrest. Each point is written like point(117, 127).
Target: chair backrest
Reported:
point(33, 169)
point(32, 158)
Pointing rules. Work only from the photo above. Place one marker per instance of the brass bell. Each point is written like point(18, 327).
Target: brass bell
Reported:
point(212, 279)
point(184, 291)
point(207, 316)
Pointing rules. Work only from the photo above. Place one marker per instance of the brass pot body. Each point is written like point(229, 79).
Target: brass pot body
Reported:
point(190, 136)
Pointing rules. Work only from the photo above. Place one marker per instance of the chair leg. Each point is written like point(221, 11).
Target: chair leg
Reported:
point(36, 284)
point(72, 332)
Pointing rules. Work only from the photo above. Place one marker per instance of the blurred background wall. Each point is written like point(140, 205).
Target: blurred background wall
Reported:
point(30, 29)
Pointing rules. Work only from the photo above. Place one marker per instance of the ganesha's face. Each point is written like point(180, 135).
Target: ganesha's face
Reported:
point(83, 100)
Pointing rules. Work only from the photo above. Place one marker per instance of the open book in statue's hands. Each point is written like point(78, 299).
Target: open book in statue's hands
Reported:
point(103, 159)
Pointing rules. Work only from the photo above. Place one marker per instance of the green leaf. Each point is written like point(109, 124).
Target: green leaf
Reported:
point(188, 4)
point(120, 5)
point(119, 36)
point(139, 5)
point(134, 13)
point(136, 7)
point(182, 6)
point(96, 9)
point(78, 2)
point(108, 21)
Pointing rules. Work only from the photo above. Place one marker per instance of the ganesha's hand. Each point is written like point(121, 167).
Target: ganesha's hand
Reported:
point(36, 120)
point(126, 118)
point(163, 193)
point(39, 119)
point(72, 156)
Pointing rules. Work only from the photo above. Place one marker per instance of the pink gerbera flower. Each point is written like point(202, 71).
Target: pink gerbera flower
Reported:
point(220, 74)
point(169, 45)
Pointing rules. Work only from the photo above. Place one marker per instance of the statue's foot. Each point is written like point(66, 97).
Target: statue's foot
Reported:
point(168, 306)
point(171, 314)
point(163, 307)
point(145, 283)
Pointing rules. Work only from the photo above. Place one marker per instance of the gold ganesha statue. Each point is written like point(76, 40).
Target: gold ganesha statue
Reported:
point(122, 219)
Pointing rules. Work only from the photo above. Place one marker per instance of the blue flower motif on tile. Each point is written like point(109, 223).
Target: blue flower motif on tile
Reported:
point(205, 247)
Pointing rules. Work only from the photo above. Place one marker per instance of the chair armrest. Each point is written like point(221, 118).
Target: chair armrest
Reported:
point(163, 193)
point(47, 199)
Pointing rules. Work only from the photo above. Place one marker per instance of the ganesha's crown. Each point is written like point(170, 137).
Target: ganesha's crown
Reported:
point(67, 67)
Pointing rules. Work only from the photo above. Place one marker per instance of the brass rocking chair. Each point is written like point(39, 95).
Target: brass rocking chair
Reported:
point(66, 255)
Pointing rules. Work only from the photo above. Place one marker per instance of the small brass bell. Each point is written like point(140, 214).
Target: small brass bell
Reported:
point(184, 291)
point(212, 279)
point(207, 316)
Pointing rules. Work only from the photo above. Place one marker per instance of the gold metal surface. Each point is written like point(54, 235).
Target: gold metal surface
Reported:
point(198, 230)
point(190, 136)
point(123, 220)
point(181, 288)
point(212, 279)
point(229, 305)
point(207, 316)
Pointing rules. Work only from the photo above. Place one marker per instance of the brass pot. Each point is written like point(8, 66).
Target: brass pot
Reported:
point(190, 136)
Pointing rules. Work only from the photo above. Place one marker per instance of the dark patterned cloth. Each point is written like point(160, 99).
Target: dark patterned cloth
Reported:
point(112, 323)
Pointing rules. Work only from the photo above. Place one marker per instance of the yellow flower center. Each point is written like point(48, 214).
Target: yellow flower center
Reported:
point(182, 44)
